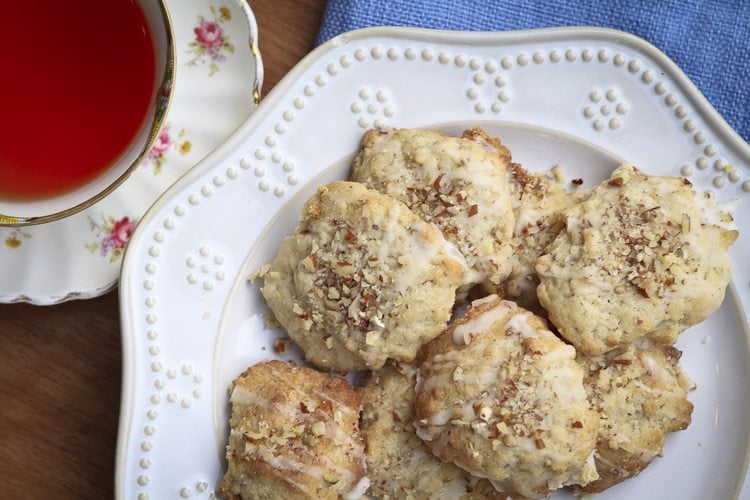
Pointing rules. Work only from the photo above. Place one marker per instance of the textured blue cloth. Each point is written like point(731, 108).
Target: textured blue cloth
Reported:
point(709, 40)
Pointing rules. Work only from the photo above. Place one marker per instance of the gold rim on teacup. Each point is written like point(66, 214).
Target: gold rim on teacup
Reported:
point(160, 22)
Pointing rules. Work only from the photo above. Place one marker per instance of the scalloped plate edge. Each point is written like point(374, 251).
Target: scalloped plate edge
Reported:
point(728, 137)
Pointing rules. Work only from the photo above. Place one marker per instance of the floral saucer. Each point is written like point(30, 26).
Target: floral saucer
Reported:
point(218, 80)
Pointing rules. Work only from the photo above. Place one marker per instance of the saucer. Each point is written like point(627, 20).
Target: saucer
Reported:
point(218, 78)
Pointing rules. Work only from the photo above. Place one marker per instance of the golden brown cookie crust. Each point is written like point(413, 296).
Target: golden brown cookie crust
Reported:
point(294, 433)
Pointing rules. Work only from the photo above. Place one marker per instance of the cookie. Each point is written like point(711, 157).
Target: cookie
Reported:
point(457, 183)
point(643, 255)
point(641, 395)
point(399, 464)
point(362, 279)
point(502, 397)
point(538, 201)
point(294, 433)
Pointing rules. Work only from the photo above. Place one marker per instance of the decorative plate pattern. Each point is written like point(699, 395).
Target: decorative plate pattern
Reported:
point(218, 78)
point(580, 98)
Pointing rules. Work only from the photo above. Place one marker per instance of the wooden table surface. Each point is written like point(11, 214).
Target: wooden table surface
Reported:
point(60, 367)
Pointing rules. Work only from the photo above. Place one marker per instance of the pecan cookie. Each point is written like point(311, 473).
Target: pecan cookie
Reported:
point(501, 397)
point(643, 255)
point(457, 183)
point(538, 202)
point(294, 433)
point(641, 395)
point(399, 464)
point(362, 279)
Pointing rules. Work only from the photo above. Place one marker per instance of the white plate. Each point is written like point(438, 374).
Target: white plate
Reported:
point(581, 98)
point(79, 257)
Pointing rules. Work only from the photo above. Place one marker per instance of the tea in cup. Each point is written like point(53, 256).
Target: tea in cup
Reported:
point(86, 87)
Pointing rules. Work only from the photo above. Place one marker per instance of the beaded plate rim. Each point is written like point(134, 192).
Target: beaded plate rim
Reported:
point(273, 178)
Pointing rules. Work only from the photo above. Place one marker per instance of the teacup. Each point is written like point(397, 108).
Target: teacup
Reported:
point(83, 102)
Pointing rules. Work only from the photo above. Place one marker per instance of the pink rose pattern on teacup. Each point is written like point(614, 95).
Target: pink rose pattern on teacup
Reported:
point(211, 44)
point(209, 34)
point(121, 232)
point(164, 142)
point(112, 236)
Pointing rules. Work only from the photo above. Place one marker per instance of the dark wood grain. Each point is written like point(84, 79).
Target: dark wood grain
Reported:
point(287, 33)
point(60, 366)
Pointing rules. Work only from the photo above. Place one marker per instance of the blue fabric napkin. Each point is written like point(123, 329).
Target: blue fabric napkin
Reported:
point(708, 39)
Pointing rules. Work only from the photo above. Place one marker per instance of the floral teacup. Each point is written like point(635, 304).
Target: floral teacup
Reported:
point(19, 210)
